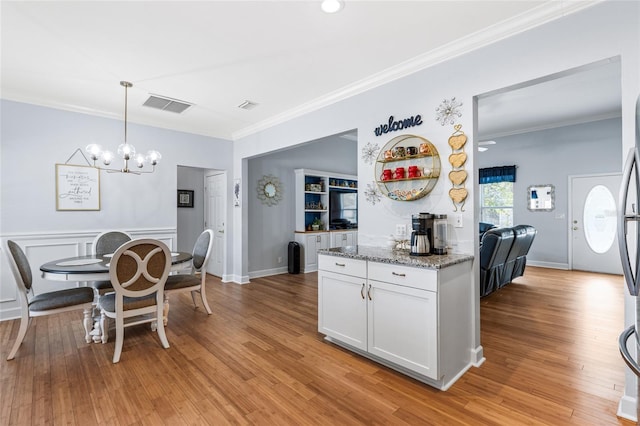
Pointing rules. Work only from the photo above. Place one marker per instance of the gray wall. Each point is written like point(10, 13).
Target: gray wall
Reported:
point(271, 228)
point(549, 157)
point(190, 220)
point(34, 139)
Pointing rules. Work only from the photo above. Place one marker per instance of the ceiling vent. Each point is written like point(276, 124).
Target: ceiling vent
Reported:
point(248, 105)
point(166, 104)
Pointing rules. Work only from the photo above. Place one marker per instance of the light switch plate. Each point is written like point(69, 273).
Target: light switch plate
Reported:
point(457, 221)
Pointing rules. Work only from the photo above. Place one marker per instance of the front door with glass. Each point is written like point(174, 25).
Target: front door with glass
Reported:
point(593, 228)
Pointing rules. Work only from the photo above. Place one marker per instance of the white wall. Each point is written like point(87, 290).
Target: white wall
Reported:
point(34, 139)
point(606, 30)
point(549, 157)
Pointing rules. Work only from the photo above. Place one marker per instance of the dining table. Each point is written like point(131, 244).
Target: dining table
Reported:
point(95, 267)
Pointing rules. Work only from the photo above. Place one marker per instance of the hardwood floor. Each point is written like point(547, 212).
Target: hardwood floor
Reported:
point(550, 339)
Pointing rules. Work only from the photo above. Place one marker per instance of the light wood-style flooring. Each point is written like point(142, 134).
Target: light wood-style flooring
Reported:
point(550, 341)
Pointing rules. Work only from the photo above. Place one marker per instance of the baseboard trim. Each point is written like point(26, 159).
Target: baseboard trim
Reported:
point(268, 272)
point(627, 408)
point(551, 265)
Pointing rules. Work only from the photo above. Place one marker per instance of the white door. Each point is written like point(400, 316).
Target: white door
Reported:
point(593, 231)
point(216, 206)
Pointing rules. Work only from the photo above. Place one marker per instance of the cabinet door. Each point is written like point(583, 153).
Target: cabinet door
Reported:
point(403, 326)
point(313, 243)
point(342, 308)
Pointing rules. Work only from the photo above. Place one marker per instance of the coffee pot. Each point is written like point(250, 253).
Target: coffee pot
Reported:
point(421, 236)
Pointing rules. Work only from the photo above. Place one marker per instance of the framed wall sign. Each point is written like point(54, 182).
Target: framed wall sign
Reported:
point(77, 187)
point(541, 197)
point(185, 198)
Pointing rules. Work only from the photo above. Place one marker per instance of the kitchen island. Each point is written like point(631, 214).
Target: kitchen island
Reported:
point(410, 313)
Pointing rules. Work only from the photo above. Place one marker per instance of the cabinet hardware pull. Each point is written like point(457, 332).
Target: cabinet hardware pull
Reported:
point(398, 275)
point(340, 264)
point(362, 291)
point(369, 292)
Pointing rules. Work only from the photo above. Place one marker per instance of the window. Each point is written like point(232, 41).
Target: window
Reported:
point(496, 203)
point(496, 195)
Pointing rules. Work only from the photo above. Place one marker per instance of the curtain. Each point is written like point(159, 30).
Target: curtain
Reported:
point(498, 174)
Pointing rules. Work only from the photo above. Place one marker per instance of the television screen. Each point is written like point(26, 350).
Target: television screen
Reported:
point(343, 208)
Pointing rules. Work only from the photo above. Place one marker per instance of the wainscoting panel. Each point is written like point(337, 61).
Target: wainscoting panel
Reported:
point(43, 248)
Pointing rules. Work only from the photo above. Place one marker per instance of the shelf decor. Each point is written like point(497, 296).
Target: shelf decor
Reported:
point(458, 175)
point(269, 190)
point(407, 168)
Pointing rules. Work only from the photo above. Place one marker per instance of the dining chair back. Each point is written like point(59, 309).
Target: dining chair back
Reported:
point(138, 272)
point(105, 243)
point(54, 302)
point(195, 281)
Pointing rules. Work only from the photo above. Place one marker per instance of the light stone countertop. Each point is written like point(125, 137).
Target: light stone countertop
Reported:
point(397, 257)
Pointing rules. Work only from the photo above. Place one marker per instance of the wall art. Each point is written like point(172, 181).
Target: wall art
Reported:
point(185, 198)
point(448, 111)
point(458, 175)
point(77, 187)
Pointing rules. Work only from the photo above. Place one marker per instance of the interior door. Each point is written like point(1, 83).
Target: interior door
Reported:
point(216, 221)
point(594, 240)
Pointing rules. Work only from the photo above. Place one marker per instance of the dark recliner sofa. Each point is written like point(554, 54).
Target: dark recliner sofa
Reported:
point(503, 256)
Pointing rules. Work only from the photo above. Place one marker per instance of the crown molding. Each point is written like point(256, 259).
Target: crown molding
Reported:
point(536, 17)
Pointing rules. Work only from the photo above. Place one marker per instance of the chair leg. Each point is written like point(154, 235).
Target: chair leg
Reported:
point(88, 323)
point(165, 315)
point(22, 331)
point(117, 351)
point(160, 328)
point(104, 327)
point(203, 296)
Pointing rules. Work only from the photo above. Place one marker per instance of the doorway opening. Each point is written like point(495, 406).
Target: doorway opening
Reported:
point(564, 124)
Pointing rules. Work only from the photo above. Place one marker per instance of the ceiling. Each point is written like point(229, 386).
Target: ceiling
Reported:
point(288, 57)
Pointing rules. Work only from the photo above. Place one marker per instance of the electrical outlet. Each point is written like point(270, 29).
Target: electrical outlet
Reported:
point(279, 259)
point(401, 229)
point(458, 221)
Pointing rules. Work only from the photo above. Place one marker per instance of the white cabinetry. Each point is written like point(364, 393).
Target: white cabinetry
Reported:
point(415, 320)
point(342, 303)
point(313, 194)
point(310, 243)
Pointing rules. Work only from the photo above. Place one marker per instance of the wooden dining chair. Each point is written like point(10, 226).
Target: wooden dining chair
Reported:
point(195, 281)
point(105, 243)
point(54, 302)
point(138, 272)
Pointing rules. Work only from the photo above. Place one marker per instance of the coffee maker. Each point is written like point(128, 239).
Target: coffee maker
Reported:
point(422, 235)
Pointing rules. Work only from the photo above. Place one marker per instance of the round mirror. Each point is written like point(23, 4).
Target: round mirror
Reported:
point(270, 190)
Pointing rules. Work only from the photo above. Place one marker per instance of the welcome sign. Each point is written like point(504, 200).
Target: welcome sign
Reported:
point(394, 125)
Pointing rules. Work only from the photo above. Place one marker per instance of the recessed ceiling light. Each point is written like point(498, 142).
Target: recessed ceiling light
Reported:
point(331, 6)
point(482, 148)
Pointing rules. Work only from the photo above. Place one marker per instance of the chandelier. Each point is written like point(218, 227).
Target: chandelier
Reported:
point(125, 150)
